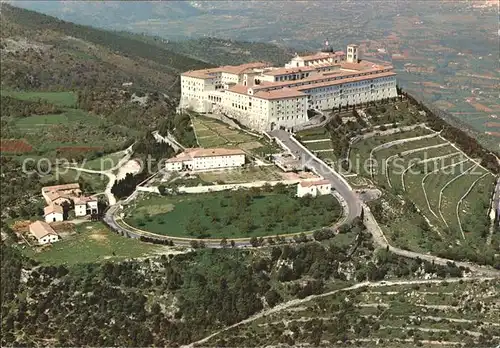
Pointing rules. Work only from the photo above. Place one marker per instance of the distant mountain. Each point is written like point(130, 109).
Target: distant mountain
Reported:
point(42, 52)
point(222, 52)
point(116, 15)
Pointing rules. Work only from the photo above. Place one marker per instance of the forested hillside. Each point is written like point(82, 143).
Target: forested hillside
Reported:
point(40, 52)
point(168, 301)
point(227, 52)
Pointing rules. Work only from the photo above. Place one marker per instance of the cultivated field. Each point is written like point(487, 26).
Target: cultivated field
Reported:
point(64, 99)
point(435, 198)
point(73, 133)
point(243, 175)
point(437, 178)
point(213, 133)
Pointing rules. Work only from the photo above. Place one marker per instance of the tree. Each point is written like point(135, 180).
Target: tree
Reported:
point(273, 297)
point(254, 241)
point(223, 242)
point(162, 189)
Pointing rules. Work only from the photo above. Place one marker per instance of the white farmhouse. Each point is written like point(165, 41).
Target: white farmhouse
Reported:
point(85, 206)
point(43, 232)
point(53, 213)
point(314, 188)
point(264, 98)
point(203, 159)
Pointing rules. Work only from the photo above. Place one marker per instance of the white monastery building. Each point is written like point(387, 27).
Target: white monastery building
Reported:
point(314, 188)
point(53, 213)
point(264, 98)
point(202, 159)
point(43, 232)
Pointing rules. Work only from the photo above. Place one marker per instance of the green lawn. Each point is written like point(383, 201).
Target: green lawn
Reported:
point(322, 145)
point(232, 214)
point(242, 175)
point(65, 99)
point(327, 155)
point(41, 120)
point(93, 242)
point(314, 134)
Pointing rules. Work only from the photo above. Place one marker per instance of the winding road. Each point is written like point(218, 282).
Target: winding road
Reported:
point(109, 173)
point(352, 204)
point(311, 161)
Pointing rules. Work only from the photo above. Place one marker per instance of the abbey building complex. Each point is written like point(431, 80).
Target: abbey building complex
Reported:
point(264, 98)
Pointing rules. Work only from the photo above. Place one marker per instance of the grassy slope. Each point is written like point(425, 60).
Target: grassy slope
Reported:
point(93, 242)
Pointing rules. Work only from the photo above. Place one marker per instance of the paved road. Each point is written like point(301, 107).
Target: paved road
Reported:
point(127, 153)
point(352, 203)
point(112, 219)
point(310, 161)
point(355, 206)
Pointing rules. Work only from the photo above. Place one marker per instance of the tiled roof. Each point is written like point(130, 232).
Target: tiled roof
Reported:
point(321, 77)
point(192, 153)
point(285, 71)
point(362, 65)
point(41, 229)
point(346, 80)
point(84, 200)
point(241, 89)
point(314, 183)
point(279, 94)
point(64, 187)
point(53, 208)
point(231, 69)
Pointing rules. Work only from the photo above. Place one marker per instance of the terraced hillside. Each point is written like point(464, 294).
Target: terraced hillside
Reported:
point(214, 133)
point(436, 197)
point(429, 313)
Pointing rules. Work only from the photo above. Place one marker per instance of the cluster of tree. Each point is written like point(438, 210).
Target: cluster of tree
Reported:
point(323, 234)
point(238, 210)
point(126, 108)
point(12, 107)
point(152, 240)
point(18, 188)
point(147, 146)
point(214, 50)
point(126, 186)
point(488, 255)
point(359, 119)
point(179, 125)
point(123, 44)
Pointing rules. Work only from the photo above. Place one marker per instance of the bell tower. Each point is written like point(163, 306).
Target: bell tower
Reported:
point(353, 53)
